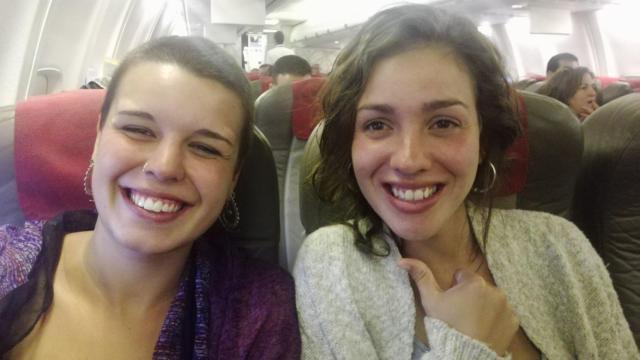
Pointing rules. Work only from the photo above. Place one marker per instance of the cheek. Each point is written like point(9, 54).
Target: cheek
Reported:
point(364, 158)
point(463, 159)
point(214, 183)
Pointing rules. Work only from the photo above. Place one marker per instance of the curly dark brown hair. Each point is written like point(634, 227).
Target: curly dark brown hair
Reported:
point(388, 33)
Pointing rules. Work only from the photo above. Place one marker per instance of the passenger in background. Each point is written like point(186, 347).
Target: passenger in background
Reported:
point(575, 87)
point(315, 70)
point(555, 63)
point(290, 68)
point(265, 70)
point(279, 50)
point(143, 277)
point(561, 61)
point(418, 118)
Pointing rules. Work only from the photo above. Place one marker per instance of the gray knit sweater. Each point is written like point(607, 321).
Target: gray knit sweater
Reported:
point(356, 306)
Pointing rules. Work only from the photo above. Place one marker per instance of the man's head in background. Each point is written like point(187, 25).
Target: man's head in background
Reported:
point(561, 61)
point(278, 36)
point(290, 68)
point(265, 70)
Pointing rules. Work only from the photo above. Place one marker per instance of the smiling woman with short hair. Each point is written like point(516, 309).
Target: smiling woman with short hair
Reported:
point(142, 278)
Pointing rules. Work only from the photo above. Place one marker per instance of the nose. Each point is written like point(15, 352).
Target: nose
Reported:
point(166, 162)
point(410, 156)
point(592, 91)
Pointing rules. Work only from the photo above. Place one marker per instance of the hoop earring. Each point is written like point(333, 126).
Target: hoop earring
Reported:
point(230, 217)
point(494, 176)
point(85, 181)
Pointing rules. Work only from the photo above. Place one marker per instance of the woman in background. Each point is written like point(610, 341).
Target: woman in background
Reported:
point(143, 278)
point(418, 117)
point(575, 87)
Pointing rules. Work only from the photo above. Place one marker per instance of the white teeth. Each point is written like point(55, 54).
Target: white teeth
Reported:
point(154, 204)
point(418, 194)
point(414, 194)
point(408, 195)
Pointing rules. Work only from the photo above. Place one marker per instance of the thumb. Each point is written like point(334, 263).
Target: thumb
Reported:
point(423, 278)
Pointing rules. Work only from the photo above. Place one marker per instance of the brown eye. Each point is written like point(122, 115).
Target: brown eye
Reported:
point(444, 123)
point(375, 125)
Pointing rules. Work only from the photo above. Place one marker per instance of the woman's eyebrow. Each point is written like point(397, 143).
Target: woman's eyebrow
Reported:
point(426, 107)
point(382, 108)
point(136, 113)
point(440, 104)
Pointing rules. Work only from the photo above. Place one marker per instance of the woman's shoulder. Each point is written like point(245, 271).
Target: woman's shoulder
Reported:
point(537, 225)
point(330, 237)
point(19, 248)
point(328, 246)
point(547, 236)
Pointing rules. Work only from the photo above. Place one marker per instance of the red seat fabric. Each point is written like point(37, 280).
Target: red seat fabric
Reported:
point(517, 156)
point(305, 109)
point(39, 150)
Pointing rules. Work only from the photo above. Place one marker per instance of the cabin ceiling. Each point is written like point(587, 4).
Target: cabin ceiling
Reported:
point(299, 13)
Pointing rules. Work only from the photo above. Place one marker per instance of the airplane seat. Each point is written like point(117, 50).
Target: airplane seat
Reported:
point(615, 90)
point(542, 171)
point(607, 199)
point(46, 146)
point(534, 87)
point(259, 86)
point(555, 151)
point(287, 114)
point(10, 212)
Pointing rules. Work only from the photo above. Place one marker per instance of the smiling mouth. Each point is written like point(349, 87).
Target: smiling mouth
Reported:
point(153, 204)
point(418, 194)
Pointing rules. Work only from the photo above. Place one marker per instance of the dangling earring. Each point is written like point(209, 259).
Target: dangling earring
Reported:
point(494, 175)
point(85, 181)
point(230, 217)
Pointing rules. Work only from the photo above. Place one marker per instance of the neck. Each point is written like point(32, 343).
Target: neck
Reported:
point(126, 279)
point(453, 248)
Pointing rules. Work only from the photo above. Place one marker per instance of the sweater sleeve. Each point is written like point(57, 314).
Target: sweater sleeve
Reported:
point(330, 323)
point(447, 343)
point(601, 330)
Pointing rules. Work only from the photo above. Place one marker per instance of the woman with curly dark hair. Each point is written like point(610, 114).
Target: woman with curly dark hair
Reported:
point(418, 116)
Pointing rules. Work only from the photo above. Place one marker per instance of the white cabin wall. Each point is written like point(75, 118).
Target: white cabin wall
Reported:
point(498, 35)
point(532, 51)
point(15, 32)
point(61, 45)
point(99, 57)
point(621, 37)
point(139, 24)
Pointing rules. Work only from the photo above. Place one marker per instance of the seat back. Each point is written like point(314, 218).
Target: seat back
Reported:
point(607, 201)
point(54, 138)
point(555, 152)
point(287, 114)
point(542, 178)
point(615, 90)
point(10, 212)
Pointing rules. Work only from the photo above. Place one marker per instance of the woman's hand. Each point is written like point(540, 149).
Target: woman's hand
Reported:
point(587, 110)
point(471, 306)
